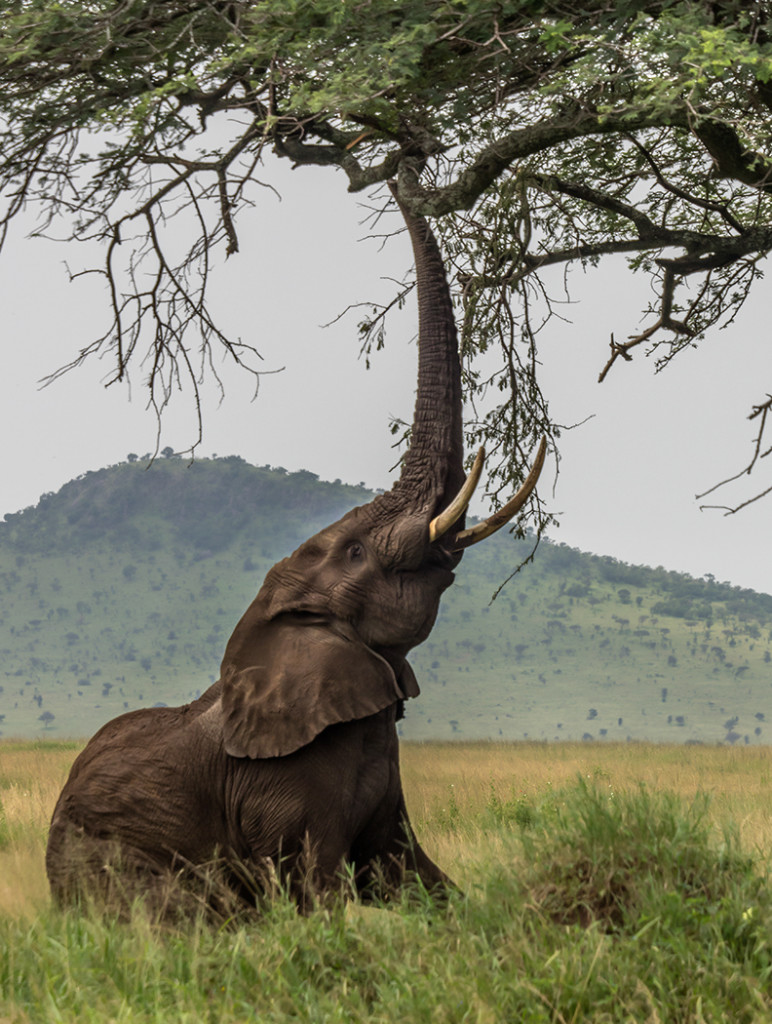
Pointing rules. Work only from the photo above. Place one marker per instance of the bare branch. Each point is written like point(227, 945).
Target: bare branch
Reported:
point(225, 214)
point(664, 322)
point(761, 412)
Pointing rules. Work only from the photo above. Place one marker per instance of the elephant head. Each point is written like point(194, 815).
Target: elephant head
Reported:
point(326, 637)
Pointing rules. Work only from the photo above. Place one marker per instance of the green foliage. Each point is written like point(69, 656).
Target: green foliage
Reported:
point(391, 66)
point(537, 134)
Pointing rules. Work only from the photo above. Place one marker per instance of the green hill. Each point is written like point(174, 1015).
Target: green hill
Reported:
point(121, 590)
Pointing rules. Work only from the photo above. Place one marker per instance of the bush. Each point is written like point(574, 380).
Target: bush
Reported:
point(628, 860)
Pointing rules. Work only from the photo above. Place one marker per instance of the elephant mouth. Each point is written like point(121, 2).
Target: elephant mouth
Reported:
point(442, 559)
point(437, 570)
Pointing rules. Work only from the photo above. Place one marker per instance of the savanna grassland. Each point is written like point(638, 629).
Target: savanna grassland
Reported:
point(599, 882)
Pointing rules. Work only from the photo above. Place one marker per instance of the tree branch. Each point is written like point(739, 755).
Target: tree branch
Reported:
point(665, 321)
point(496, 158)
point(761, 410)
point(730, 157)
point(693, 200)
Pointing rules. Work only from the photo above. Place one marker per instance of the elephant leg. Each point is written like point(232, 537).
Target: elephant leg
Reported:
point(85, 869)
point(116, 877)
point(388, 857)
point(306, 869)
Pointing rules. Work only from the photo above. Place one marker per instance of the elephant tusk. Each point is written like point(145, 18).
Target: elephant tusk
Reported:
point(440, 525)
point(495, 522)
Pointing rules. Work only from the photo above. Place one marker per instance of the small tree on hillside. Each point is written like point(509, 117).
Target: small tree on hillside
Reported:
point(536, 135)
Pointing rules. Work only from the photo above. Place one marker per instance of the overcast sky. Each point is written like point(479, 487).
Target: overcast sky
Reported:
point(627, 478)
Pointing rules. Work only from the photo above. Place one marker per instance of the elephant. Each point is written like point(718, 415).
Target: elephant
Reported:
point(287, 768)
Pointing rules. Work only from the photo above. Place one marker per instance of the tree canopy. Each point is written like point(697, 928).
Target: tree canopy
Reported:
point(533, 134)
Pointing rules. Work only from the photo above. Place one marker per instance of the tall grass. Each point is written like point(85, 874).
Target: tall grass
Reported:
point(593, 888)
point(31, 777)
point(446, 780)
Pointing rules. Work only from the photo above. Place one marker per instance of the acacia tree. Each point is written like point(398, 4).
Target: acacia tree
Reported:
point(534, 134)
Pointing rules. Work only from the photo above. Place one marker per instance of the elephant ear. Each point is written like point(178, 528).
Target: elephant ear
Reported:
point(306, 676)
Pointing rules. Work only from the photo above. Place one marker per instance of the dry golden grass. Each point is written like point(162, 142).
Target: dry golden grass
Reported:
point(31, 778)
point(461, 778)
point(441, 780)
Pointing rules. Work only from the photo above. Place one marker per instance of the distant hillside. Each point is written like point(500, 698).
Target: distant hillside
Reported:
point(121, 590)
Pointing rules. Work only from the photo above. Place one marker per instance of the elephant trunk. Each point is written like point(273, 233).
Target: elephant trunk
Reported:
point(432, 469)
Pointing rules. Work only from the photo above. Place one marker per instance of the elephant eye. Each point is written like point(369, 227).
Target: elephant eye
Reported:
point(355, 552)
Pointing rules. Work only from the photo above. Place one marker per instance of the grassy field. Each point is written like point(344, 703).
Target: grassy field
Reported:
point(599, 882)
